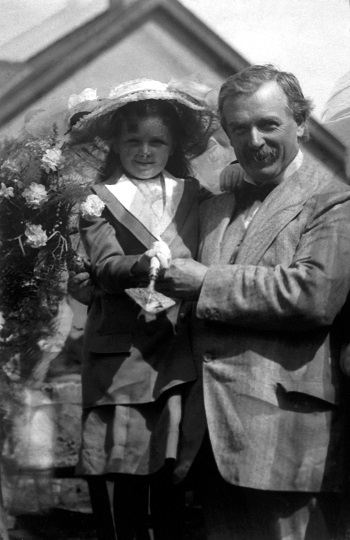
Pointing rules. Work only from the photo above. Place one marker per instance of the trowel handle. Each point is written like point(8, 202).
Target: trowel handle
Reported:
point(154, 268)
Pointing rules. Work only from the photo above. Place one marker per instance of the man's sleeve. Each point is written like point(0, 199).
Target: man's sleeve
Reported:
point(304, 295)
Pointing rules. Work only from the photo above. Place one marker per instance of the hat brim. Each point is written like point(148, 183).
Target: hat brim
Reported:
point(95, 122)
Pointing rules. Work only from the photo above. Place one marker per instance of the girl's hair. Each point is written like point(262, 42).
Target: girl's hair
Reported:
point(189, 129)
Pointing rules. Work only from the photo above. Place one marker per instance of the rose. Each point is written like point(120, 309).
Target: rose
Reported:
point(18, 183)
point(36, 236)
point(89, 94)
point(52, 159)
point(35, 195)
point(92, 207)
point(10, 167)
point(6, 192)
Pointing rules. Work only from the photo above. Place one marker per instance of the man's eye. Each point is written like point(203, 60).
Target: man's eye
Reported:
point(268, 126)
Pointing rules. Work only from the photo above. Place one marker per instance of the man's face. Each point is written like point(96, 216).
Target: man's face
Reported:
point(262, 131)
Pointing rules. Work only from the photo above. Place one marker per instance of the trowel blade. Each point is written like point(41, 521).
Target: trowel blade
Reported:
point(151, 301)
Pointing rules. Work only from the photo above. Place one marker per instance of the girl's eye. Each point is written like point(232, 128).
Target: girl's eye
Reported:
point(159, 142)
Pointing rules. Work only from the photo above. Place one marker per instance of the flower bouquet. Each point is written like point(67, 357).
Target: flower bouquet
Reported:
point(40, 188)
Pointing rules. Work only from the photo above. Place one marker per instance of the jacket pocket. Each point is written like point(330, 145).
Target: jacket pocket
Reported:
point(310, 389)
point(287, 393)
point(110, 343)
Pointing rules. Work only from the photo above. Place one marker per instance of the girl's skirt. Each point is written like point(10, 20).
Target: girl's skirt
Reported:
point(131, 439)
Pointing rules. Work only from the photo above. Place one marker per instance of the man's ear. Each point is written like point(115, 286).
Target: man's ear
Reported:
point(301, 130)
point(223, 127)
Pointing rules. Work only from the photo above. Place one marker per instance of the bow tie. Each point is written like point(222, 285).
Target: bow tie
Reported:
point(248, 193)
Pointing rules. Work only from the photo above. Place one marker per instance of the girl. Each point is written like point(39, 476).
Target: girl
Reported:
point(136, 368)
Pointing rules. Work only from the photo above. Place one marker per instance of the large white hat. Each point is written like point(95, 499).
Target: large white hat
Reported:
point(95, 122)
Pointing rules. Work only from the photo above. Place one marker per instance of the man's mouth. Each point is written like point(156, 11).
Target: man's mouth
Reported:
point(263, 156)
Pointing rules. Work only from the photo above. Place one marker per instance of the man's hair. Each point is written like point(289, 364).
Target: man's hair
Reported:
point(249, 80)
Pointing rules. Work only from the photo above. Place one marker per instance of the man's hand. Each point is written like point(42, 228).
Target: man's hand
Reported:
point(183, 279)
point(228, 178)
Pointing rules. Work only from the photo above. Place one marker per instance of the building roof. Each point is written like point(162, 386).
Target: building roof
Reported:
point(33, 79)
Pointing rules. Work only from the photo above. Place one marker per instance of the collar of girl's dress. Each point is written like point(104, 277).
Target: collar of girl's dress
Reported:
point(122, 172)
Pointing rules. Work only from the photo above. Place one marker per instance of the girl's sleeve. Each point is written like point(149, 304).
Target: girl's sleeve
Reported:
point(111, 267)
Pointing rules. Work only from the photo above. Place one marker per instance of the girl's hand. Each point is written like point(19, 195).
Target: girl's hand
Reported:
point(80, 287)
point(160, 250)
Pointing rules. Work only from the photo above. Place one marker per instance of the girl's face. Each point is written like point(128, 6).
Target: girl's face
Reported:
point(144, 146)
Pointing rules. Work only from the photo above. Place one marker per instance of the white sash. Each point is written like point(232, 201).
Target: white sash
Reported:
point(137, 204)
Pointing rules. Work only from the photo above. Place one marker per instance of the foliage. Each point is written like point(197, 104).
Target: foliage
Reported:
point(39, 191)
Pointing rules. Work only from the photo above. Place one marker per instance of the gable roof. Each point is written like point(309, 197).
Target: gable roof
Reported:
point(50, 67)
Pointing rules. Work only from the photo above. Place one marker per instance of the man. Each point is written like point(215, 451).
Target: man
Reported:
point(272, 280)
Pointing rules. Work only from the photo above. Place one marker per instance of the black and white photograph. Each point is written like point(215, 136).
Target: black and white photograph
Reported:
point(174, 270)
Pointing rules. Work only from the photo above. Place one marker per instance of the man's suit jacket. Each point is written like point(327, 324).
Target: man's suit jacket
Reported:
point(265, 334)
point(126, 359)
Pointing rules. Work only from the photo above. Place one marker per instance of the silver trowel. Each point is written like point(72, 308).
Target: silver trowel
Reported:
point(146, 297)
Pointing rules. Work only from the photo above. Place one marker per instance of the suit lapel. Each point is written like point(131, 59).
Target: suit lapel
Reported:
point(216, 244)
point(233, 238)
point(278, 209)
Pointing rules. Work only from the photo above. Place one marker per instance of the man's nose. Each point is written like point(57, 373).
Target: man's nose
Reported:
point(145, 149)
point(256, 139)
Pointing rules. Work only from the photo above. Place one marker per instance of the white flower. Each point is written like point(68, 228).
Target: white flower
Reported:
point(52, 159)
point(6, 192)
point(92, 207)
point(36, 236)
point(35, 195)
point(19, 183)
point(89, 94)
point(10, 166)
